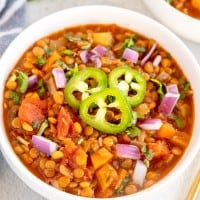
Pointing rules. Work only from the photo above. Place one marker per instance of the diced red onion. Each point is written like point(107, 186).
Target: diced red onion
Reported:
point(93, 55)
point(139, 173)
point(130, 55)
point(43, 144)
point(96, 60)
point(172, 89)
point(170, 99)
point(99, 50)
point(84, 55)
point(146, 58)
point(127, 151)
point(32, 81)
point(59, 77)
point(157, 60)
point(151, 124)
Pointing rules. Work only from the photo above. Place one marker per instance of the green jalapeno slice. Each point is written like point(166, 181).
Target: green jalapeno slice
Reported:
point(107, 111)
point(130, 82)
point(86, 82)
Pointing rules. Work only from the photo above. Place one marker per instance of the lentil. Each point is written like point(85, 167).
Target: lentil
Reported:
point(63, 181)
point(57, 155)
point(78, 173)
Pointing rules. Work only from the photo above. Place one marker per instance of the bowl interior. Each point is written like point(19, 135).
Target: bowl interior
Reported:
point(88, 15)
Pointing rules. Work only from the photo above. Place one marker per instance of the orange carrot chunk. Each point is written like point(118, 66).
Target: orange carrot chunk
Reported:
point(181, 139)
point(166, 131)
point(106, 175)
point(100, 157)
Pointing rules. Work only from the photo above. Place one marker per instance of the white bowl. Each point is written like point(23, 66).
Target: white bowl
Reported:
point(182, 24)
point(87, 15)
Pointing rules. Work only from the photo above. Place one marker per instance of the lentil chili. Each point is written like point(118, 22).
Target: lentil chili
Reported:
point(127, 126)
point(189, 7)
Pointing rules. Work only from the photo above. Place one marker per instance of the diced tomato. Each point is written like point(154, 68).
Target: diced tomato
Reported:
point(41, 104)
point(65, 124)
point(159, 148)
point(124, 139)
point(32, 110)
point(68, 157)
point(74, 157)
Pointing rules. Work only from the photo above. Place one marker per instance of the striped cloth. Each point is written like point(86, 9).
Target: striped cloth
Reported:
point(11, 21)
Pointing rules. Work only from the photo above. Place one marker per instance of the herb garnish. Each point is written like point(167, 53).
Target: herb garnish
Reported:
point(161, 87)
point(184, 86)
point(178, 121)
point(35, 124)
point(129, 42)
point(138, 48)
point(15, 97)
point(41, 87)
point(22, 80)
point(124, 183)
point(68, 52)
point(44, 125)
point(72, 71)
point(63, 65)
point(148, 153)
point(72, 38)
point(41, 61)
point(133, 131)
point(48, 50)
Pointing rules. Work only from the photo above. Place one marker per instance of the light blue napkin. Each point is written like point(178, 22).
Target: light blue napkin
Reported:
point(11, 22)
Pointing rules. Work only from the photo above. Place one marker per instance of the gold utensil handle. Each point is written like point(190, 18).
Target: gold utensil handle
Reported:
point(194, 190)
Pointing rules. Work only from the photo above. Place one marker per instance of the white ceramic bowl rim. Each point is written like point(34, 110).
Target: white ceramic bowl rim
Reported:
point(90, 15)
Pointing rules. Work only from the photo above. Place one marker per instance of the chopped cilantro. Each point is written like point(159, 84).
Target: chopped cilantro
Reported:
point(68, 52)
point(48, 50)
point(129, 42)
point(72, 38)
point(63, 65)
point(184, 86)
point(72, 71)
point(41, 61)
point(138, 48)
point(161, 87)
point(22, 80)
point(133, 131)
point(44, 125)
point(15, 97)
point(148, 153)
point(178, 121)
point(41, 87)
point(35, 124)
point(123, 184)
